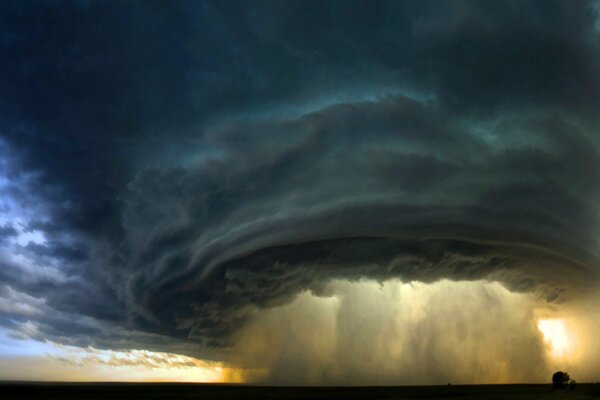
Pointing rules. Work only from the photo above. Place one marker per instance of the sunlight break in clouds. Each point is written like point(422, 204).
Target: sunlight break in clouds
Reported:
point(555, 334)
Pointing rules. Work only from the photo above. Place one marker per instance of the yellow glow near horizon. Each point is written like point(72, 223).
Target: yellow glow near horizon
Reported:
point(555, 334)
point(66, 363)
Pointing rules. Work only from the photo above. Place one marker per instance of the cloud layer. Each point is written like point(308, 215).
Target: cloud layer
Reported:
point(173, 173)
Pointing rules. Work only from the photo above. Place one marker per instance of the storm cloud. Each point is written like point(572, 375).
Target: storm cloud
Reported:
point(174, 172)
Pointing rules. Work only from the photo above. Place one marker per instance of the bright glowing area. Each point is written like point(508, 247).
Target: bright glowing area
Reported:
point(52, 362)
point(555, 334)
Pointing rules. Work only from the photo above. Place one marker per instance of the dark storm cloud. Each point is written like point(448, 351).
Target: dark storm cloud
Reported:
point(250, 230)
point(6, 232)
point(187, 164)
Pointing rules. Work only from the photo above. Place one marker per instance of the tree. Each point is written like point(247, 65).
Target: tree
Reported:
point(560, 379)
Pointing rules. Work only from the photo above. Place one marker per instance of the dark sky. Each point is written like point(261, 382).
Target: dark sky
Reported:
point(168, 169)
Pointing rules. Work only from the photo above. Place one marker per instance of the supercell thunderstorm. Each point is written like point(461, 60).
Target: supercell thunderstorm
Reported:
point(210, 179)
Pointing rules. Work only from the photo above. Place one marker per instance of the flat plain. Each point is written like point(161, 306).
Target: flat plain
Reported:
point(174, 391)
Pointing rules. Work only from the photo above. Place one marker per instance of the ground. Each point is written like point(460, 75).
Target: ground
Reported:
point(211, 391)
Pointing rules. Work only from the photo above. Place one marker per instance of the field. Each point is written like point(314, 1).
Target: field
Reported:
point(114, 391)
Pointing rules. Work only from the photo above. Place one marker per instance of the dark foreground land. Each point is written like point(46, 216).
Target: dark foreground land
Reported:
point(115, 391)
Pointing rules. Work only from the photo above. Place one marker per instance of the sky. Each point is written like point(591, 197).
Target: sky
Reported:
point(300, 192)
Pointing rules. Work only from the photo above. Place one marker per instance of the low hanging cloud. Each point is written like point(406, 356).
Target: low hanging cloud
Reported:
point(179, 195)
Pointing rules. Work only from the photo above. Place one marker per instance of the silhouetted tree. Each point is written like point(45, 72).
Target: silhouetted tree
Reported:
point(560, 379)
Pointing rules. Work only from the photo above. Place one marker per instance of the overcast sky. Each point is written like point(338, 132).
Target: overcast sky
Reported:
point(322, 192)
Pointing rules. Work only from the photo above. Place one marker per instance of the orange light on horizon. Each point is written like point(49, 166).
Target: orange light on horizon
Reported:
point(66, 363)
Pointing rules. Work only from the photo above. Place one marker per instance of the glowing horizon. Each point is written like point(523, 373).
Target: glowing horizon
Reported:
point(262, 341)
